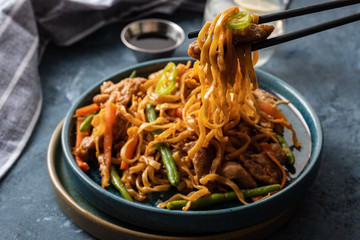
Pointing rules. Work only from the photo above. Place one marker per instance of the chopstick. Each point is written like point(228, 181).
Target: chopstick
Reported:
point(296, 12)
point(305, 10)
point(305, 32)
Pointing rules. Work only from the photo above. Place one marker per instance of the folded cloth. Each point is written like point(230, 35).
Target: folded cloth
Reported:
point(25, 27)
point(20, 91)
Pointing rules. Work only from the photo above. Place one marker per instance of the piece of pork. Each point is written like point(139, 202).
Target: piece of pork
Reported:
point(261, 168)
point(202, 161)
point(101, 98)
point(120, 127)
point(280, 154)
point(194, 50)
point(234, 171)
point(251, 34)
point(120, 92)
point(263, 95)
point(86, 149)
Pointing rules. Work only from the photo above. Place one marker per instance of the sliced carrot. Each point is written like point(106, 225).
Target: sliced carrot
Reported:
point(110, 115)
point(178, 112)
point(87, 110)
point(96, 120)
point(82, 165)
point(130, 149)
point(129, 152)
point(79, 137)
point(270, 153)
point(270, 109)
point(124, 165)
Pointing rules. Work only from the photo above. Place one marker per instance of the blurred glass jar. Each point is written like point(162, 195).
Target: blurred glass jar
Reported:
point(260, 7)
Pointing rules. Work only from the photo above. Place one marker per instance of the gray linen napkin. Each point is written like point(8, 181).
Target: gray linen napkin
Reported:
point(20, 91)
point(25, 27)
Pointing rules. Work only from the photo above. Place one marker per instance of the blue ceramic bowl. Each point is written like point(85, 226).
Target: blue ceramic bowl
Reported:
point(225, 217)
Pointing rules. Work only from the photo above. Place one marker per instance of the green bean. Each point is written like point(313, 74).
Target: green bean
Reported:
point(133, 74)
point(260, 190)
point(290, 158)
point(203, 202)
point(169, 163)
point(217, 198)
point(116, 181)
point(86, 124)
point(165, 152)
point(151, 117)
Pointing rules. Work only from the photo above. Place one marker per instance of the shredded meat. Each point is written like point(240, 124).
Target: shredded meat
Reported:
point(120, 127)
point(86, 150)
point(120, 92)
point(238, 173)
point(251, 34)
point(194, 50)
point(101, 98)
point(202, 159)
point(261, 168)
point(280, 154)
point(264, 96)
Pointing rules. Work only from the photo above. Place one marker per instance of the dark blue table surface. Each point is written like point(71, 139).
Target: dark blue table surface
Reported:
point(325, 68)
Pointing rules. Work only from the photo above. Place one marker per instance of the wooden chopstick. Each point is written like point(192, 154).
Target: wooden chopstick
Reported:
point(296, 12)
point(305, 32)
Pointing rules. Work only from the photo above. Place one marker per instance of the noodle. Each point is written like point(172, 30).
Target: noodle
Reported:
point(212, 116)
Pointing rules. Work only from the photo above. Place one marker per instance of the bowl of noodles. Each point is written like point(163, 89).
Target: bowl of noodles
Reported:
point(194, 146)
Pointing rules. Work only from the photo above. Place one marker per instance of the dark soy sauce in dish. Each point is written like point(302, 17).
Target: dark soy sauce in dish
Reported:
point(153, 41)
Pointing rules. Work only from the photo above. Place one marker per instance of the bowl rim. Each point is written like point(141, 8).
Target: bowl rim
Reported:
point(313, 160)
point(157, 20)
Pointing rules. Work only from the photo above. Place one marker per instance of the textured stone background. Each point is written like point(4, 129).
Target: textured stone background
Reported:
point(325, 68)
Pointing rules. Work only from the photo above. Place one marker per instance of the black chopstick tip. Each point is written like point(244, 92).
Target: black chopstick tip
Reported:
point(193, 34)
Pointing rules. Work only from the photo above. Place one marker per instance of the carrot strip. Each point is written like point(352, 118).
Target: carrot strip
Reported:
point(130, 149)
point(96, 120)
point(79, 137)
point(82, 165)
point(270, 153)
point(110, 115)
point(178, 112)
point(87, 110)
point(270, 109)
point(124, 165)
point(129, 152)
